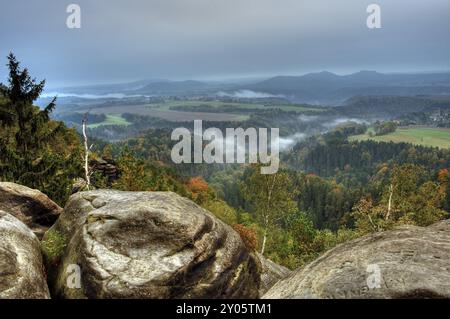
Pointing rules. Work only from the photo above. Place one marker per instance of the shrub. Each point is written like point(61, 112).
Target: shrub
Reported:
point(248, 236)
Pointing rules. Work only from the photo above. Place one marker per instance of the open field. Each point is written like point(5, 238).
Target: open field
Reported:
point(426, 136)
point(174, 116)
point(244, 106)
point(163, 110)
point(111, 119)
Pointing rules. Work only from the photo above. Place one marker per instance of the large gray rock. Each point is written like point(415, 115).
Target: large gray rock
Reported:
point(271, 273)
point(408, 262)
point(148, 245)
point(30, 206)
point(21, 267)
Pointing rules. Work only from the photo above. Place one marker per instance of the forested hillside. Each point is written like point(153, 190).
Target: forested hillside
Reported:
point(331, 190)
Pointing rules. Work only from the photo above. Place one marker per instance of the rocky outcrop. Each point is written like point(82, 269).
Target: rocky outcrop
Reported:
point(21, 268)
point(271, 273)
point(148, 245)
point(30, 206)
point(78, 185)
point(106, 167)
point(407, 262)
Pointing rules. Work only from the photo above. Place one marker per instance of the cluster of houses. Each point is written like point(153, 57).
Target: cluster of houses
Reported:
point(440, 115)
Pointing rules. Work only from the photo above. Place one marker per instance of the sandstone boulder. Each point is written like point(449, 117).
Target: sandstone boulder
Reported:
point(271, 273)
point(106, 167)
point(30, 206)
point(78, 185)
point(21, 268)
point(148, 245)
point(407, 262)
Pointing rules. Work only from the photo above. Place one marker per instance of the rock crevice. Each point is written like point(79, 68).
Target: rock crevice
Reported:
point(150, 245)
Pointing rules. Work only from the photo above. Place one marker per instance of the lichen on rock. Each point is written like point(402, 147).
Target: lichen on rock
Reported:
point(21, 268)
point(150, 245)
point(407, 262)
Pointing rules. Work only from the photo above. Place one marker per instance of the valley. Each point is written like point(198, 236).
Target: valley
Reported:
point(336, 162)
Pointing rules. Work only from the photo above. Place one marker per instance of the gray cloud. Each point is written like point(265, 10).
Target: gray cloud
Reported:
point(133, 39)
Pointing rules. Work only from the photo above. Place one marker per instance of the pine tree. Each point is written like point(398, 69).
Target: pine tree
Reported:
point(34, 151)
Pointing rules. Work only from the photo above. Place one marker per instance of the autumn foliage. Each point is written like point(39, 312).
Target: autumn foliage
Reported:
point(200, 189)
point(248, 236)
point(443, 178)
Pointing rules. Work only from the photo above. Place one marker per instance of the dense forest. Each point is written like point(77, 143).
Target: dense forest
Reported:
point(329, 190)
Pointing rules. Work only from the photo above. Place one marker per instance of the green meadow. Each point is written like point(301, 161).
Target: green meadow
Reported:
point(244, 106)
point(426, 136)
point(111, 119)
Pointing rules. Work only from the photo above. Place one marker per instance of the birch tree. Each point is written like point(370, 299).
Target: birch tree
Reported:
point(272, 197)
point(87, 149)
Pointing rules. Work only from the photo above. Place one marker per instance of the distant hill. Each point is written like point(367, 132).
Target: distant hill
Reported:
point(332, 89)
point(108, 88)
point(150, 87)
point(391, 106)
point(324, 88)
point(174, 88)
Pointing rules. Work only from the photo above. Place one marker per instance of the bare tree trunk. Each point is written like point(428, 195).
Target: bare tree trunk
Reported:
point(267, 212)
point(86, 156)
point(263, 246)
point(391, 192)
point(375, 227)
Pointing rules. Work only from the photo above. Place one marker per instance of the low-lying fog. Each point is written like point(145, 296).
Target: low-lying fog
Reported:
point(248, 94)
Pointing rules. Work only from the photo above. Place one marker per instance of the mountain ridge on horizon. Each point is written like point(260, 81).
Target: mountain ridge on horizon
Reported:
point(254, 79)
point(322, 87)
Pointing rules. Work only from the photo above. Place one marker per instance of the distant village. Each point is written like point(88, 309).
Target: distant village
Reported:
point(440, 116)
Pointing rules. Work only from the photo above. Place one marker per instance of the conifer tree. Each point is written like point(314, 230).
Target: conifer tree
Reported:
point(35, 151)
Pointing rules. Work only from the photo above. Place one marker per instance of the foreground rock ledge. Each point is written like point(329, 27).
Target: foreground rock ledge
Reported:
point(21, 268)
point(271, 274)
point(30, 206)
point(413, 262)
point(148, 245)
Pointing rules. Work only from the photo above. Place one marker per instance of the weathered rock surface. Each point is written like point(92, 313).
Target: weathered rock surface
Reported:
point(78, 185)
point(408, 262)
point(30, 206)
point(21, 268)
point(105, 167)
point(271, 273)
point(150, 245)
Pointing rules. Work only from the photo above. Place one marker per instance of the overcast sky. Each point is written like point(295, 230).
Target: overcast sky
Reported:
point(123, 40)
